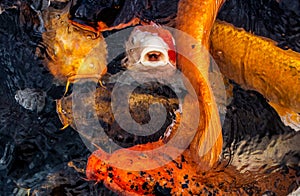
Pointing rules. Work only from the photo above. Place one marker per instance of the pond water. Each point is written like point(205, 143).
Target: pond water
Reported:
point(38, 158)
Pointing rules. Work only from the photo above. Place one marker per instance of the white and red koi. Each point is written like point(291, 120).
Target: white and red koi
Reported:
point(150, 46)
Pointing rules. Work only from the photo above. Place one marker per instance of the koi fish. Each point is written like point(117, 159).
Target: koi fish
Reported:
point(72, 53)
point(178, 177)
point(31, 99)
point(199, 25)
point(150, 46)
point(260, 65)
point(151, 57)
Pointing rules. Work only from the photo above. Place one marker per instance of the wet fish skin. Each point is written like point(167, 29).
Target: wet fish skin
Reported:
point(178, 177)
point(203, 14)
point(257, 64)
point(31, 99)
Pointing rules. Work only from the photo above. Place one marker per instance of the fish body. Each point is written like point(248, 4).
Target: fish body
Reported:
point(181, 175)
point(200, 27)
point(198, 23)
point(177, 177)
point(31, 99)
point(256, 63)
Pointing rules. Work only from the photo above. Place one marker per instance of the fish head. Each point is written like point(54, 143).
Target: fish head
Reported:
point(151, 46)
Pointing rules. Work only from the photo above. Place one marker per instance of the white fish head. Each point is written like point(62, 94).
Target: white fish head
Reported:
point(151, 46)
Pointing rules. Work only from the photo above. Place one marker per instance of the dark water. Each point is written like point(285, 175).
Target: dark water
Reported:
point(278, 21)
point(36, 156)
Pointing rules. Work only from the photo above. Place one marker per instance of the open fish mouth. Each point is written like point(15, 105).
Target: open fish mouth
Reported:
point(154, 58)
point(150, 46)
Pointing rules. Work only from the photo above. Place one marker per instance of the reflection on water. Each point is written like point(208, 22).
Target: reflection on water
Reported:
point(260, 155)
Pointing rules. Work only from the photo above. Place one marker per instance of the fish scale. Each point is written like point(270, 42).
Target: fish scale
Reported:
point(265, 67)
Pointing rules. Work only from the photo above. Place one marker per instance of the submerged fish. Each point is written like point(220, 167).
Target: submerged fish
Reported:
point(31, 99)
point(126, 172)
point(232, 43)
point(258, 64)
point(177, 177)
point(183, 174)
point(151, 57)
point(72, 53)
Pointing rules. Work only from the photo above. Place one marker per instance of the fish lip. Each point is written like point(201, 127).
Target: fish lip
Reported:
point(160, 52)
point(152, 40)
